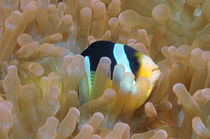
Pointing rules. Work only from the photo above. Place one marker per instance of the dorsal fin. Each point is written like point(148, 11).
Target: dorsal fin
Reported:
point(139, 56)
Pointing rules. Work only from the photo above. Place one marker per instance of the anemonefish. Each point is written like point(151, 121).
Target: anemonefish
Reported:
point(135, 62)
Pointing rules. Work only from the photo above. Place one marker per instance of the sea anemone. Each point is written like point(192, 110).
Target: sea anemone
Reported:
point(43, 86)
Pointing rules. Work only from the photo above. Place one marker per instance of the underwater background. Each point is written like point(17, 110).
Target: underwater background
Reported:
point(43, 89)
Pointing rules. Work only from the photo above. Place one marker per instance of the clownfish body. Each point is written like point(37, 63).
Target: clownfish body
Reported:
point(117, 53)
point(135, 62)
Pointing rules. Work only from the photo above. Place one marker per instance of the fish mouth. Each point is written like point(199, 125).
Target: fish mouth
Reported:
point(155, 74)
point(154, 69)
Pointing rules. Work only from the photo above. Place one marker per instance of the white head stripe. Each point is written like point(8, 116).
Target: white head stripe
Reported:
point(121, 57)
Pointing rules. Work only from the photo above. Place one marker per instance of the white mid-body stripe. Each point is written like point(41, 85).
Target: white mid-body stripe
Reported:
point(121, 57)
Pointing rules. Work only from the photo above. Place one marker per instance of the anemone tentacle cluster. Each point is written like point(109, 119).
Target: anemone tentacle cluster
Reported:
point(42, 75)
